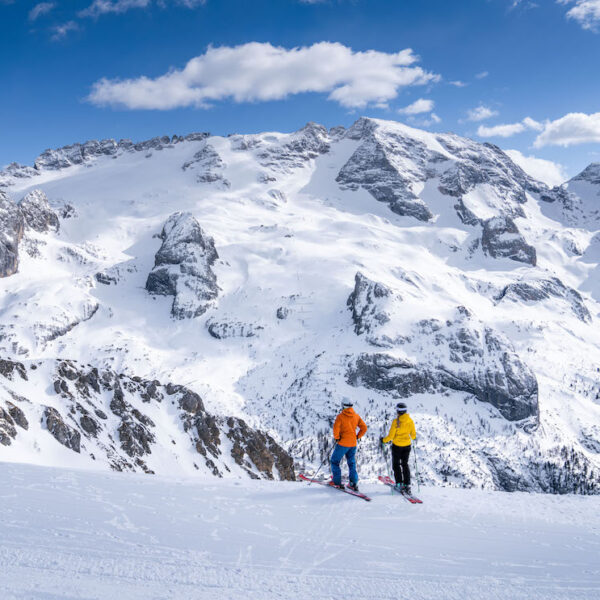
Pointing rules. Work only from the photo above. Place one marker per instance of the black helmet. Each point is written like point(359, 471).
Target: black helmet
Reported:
point(347, 403)
point(401, 408)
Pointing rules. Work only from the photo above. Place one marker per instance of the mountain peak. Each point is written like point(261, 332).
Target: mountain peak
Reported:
point(591, 174)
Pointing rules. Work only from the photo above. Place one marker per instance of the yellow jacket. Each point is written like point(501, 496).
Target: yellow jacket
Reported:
point(402, 431)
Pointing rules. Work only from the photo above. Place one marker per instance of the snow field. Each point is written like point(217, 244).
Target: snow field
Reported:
point(85, 535)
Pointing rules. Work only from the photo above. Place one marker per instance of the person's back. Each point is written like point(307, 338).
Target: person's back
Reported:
point(344, 427)
point(403, 428)
point(402, 433)
point(346, 437)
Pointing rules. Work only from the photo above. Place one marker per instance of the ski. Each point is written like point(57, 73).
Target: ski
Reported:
point(386, 480)
point(326, 484)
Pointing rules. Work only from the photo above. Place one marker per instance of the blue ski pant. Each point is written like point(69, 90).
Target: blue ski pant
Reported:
point(336, 458)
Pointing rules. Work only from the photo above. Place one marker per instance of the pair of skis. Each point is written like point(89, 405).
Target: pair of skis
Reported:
point(328, 484)
point(384, 479)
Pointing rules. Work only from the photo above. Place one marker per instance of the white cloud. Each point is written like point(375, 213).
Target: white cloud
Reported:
point(457, 83)
point(509, 129)
point(432, 120)
point(481, 75)
point(260, 72)
point(585, 12)
point(101, 7)
point(546, 171)
point(572, 129)
point(61, 31)
point(481, 113)
point(417, 107)
point(40, 9)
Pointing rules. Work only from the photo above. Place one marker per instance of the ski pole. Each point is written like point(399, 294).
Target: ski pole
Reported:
point(383, 451)
point(417, 470)
point(319, 469)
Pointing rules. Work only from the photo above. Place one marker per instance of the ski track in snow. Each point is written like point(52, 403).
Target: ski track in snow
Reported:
point(85, 535)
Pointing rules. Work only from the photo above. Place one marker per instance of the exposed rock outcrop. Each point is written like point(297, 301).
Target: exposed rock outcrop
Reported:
point(295, 152)
point(62, 433)
point(543, 289)
point(10, 368)
point(128, 439)
point(463, 355)
point(253, 449)
point(379, 166)
point(11, 232)
point(182, 267)
point(393, 161)
point(37, 212)
point(17, 415)
point(577, 199)
point(208, 166)
point(501, 238)
point(478, 164)
point(367, 303)
point(591, 174)
point(32, 212)
point(7, 428)
point(229, 329)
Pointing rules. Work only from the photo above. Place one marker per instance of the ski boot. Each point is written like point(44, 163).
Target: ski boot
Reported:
point(399, 487)
point(407, 490)
point(339, 486)
point(353, 486)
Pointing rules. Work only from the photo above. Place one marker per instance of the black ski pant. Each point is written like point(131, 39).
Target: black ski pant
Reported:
point(400, 456)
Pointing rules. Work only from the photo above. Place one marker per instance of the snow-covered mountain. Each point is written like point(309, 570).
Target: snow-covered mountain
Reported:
point(267, 275)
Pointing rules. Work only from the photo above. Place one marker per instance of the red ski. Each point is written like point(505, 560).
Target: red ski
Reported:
point(328, 484)
point(387, 480)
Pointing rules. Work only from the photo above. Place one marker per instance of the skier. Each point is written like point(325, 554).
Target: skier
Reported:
point(344, 433)
point(402, 432)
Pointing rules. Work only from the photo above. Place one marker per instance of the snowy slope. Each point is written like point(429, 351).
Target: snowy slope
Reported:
point(75, 534)
point(486, 320)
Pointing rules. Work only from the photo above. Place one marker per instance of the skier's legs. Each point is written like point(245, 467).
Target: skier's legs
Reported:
point(405, 468)
point(396, 454)
point(351, 460)
point(336, 458)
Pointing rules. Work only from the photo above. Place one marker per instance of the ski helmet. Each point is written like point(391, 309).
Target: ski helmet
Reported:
point(347, 403)
point(401, 408)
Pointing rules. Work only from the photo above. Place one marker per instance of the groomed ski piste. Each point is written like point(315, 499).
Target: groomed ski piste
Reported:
point(76, 534)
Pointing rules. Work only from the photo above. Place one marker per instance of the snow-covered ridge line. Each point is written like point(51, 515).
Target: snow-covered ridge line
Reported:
point(80, 153)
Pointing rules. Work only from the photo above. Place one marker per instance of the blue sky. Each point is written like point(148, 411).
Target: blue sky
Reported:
point(523, 74)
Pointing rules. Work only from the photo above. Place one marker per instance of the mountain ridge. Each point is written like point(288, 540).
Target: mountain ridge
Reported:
point(478, 300)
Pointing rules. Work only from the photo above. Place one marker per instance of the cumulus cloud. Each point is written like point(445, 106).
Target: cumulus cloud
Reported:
point(572, 129)
point(546, 171)
point(417, 107)
point(481, 113)
point(101, 7)
point(256, 72)
point(585, 12)
point(481, 75)
point(40, 9)
point(458, 83)
point(509, 129)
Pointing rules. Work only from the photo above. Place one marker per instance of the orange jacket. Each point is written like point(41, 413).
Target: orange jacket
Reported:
point(344, 428)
